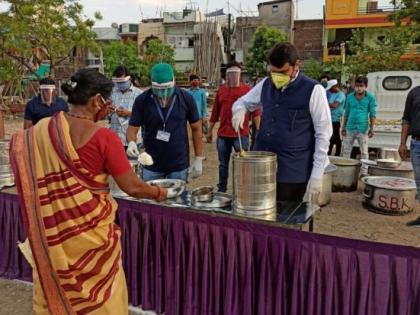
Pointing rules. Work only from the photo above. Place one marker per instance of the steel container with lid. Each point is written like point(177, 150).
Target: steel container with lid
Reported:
point(255, 183)
point(327, 180)
point(404, 170)
point(4, 152)
point(389, 195)
point(7, 178)
point(347, 174)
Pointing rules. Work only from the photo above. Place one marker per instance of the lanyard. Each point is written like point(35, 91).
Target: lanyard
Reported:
point(164, 120)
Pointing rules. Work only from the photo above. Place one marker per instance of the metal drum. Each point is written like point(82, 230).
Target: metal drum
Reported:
point(255, 183)
point(389, 195)
point(327, 180)
point(4, 152)
point(7, 178)
point(347, 174)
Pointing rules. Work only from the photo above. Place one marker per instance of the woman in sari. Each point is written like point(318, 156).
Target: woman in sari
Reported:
point(61, 167)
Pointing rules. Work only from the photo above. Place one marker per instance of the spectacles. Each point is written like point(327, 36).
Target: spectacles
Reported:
point(104, 100)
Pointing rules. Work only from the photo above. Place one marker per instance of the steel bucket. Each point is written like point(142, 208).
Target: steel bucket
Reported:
point(347, 174)
point(255, 183)
point(4, 152)
point(327, 181)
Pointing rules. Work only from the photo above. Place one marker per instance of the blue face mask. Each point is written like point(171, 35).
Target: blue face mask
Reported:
point(123, 86)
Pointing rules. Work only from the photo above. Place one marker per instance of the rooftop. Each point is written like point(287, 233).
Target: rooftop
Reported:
point(272, 2)
point(106, 33)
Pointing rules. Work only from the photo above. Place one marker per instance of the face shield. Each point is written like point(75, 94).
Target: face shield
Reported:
point(47, 93)
point(163, 91)
point(122, 84)
point(233, 76)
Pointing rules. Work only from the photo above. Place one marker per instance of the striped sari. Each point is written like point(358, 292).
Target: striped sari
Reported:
point(73, 243)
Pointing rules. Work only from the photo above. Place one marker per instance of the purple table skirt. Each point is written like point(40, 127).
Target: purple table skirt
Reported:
point(183, 262)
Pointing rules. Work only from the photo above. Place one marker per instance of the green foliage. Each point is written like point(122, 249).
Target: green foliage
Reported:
point(406, 9)
point(156, 52)
point(313, 68)
point(8, 70)
point(263, 40)
point(382, 54)
point(120, 53)
point(51, 27)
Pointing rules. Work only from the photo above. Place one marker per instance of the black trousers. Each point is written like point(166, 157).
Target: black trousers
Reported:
point(290, 192)
point(335, 139)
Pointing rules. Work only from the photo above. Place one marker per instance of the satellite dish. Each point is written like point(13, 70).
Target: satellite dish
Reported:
point(114, 25)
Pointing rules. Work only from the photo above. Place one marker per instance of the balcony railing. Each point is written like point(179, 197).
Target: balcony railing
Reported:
point(372, 8)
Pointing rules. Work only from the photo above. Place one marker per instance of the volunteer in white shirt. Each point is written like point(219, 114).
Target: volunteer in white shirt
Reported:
point(295, 124)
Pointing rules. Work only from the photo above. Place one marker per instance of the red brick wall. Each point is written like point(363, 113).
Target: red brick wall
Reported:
point(308, 38)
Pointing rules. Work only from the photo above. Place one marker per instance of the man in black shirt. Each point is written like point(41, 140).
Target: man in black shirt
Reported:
point(45, 104)
point(411, 125)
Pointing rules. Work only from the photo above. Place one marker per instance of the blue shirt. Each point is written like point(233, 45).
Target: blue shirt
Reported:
point(358, 112)
point(337, 113)
point(35, 109)
point(200, 98)
point(173, 155)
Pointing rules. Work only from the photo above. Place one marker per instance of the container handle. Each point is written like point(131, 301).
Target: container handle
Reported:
point(368, 192)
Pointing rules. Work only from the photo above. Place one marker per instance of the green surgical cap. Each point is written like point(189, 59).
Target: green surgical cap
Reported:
point(162, 73)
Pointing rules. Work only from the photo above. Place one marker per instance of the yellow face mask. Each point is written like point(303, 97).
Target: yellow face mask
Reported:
point(279, 79)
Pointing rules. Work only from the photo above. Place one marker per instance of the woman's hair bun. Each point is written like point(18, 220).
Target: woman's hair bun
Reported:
point(68, 88)
point(84, 84)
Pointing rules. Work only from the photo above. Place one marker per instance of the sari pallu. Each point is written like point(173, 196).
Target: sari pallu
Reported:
point(73, 243)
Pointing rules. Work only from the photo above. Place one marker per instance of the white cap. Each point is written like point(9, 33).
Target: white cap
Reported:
point(331, 83)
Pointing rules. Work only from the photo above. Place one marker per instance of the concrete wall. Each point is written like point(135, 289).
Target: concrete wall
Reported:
point(184, 16)
point(148, 30)
point(308, 38)
point(277, 13)
point(244, 31)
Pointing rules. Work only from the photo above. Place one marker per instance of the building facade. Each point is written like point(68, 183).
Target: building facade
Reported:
point(278, 14)
point(343, 16)
point(180, 34)
point(103, 35)
point(308, 38)
point(150, 29)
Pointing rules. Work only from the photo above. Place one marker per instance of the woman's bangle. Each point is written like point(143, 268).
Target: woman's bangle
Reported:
point(160, 193)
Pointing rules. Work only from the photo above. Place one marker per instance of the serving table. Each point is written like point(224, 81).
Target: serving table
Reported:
point(186, 261)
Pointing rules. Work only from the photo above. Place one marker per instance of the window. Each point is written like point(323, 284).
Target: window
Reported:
point(381, 38)
point(275, 8)
point(190, 42)
point(397, 83)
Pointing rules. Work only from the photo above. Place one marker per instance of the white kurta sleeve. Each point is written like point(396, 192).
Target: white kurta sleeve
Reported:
point(321, 118)
point(251, 100)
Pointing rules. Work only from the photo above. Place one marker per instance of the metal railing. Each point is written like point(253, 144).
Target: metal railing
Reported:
point(376, 10)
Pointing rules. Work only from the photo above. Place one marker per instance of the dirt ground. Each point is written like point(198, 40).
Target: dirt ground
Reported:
point(344, 217)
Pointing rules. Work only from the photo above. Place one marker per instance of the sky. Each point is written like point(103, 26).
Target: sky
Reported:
point(131, 11)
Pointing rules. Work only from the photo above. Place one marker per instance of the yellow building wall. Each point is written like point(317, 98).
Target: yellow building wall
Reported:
point(349, 14)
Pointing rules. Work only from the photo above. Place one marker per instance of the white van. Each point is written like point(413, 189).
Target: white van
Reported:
point(390, 89)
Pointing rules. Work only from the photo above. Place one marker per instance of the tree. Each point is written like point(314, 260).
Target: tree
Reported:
point(119, 53)
point(382, 54)
point(33, 31)
point(406, 10)
point(156, 52)
point(263, 40)
point(313, 68)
